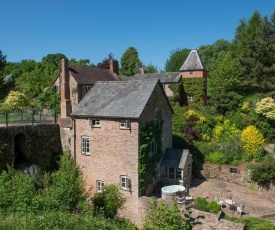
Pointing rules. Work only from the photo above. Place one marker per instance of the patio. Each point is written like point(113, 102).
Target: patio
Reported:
point(257, 203)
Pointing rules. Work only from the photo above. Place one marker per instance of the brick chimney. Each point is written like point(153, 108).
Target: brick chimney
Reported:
point(114, 66)
point(142, 71)
point(66, 107)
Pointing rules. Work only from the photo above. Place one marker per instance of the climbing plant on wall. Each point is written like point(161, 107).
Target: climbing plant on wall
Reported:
point(194, 86)
point(147, 161)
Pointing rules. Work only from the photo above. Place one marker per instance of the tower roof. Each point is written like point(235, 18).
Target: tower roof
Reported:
point(192, 62)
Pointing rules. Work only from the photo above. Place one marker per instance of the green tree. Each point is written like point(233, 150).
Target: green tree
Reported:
point(130, 62)
point(151, 68)
point(50, 99)
point(105, 63)
point(81, 62)
point(176, 60)
point(16, 99)
point(53, 58)
point(3, 61)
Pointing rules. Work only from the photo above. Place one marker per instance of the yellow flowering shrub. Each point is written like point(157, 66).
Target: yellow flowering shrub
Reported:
point(206, 137)
point(201, 120)
point(245, 107)
point(225, 131)
point(191, 113)
point(252, 140)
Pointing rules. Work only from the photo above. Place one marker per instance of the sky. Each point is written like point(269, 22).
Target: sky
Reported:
point(91, 29)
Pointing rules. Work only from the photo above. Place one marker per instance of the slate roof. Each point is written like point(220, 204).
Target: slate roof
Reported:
point(175, 158)
point(165, 78)
point(90, 75)
point(192, 62)
point(117, 99)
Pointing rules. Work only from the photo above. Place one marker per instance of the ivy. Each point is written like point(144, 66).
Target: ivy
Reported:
point(147, 163)
point(195, 86)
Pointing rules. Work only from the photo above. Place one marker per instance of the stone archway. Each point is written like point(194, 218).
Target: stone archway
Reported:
point(20, 148)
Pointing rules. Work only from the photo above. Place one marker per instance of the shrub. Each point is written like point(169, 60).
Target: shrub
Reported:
point(235, 163)
point(252, 140)
point(201, 204)
point(216, 157)
point(109, 201)
point(264, 173)
point(168, 216)
point(213, 207)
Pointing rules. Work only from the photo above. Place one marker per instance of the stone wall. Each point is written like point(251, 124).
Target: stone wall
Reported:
point(233, 174)
point(42, 144)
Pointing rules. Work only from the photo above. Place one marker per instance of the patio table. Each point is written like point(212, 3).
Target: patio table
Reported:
point(229, 203)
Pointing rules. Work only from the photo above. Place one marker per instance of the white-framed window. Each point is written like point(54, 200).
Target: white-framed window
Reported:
point(85, 145)
point(191, 72)
point(153, 148)
point(94, 122)
point(172, 173)
point(190, 97)
point(88, 87)
point(124, 124)
point(158, 115)
point(125, 183)
point(99, 185)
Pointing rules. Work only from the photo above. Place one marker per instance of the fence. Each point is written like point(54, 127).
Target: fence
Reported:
point(29, 116)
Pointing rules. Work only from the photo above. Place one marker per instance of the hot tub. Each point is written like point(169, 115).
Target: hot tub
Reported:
point(170, 192)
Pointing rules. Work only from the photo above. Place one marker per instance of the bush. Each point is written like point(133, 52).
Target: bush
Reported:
point(108, 202)
point(213, 207)
point(252, 140)
point(264, 173)
point(201, 204)
point(216, 157)
point(168, 216)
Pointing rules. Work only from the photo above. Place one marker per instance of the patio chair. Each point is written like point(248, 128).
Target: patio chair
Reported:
point(220, 202)
point(240, 209)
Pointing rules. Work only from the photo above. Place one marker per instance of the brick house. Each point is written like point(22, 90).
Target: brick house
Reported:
point(74, 82)
point(193, 68)
point(107, 124)
point(193, 74)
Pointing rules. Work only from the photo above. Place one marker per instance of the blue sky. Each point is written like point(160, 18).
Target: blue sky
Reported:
point(91, 29)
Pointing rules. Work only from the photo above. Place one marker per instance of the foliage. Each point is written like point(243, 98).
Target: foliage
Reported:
point(81, 62)
point(16, 99)
point(108, 202)
point(150, 68)
point(105, 63)
point(224, 101)
point(225, 131)
point(213, 207)
point(49, 99)
point(16, 191)
point(252, 140)
point(266, 107)
point(195, 86)
point(216, 157)
point(168, 216)
point(53, 59)
point(2, 60)
point(176, 60)
point(130, 62)
point(264, 172)
point(147, 163)
point(253, 223)
point(203, 205)
point(62, 220)
point(64, 187)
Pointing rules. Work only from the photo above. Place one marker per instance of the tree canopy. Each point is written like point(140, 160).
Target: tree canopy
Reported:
point(130, 62)
point(176, 60)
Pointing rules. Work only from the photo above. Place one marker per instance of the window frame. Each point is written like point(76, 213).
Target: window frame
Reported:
point(190, 97)
point(125, 124)
point(99, 186)
point(85, 145)
point(87, 88)
point(125, 183)
point(158, 115)
point(153, 147)
point(191, 73)
point(172, 173)
point(94, 122)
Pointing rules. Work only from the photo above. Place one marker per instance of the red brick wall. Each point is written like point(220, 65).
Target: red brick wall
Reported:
point(196, 73)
